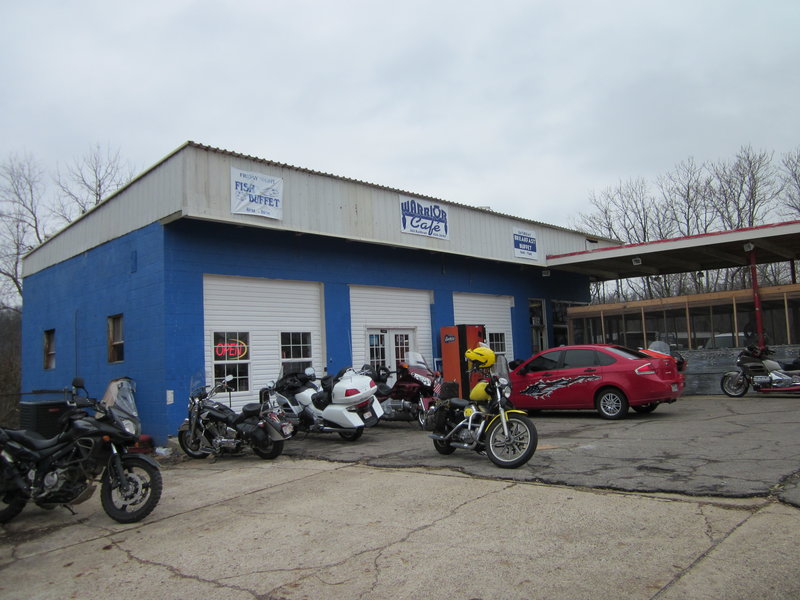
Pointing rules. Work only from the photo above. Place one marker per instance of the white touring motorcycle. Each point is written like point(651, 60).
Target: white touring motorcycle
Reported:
point(343, 404)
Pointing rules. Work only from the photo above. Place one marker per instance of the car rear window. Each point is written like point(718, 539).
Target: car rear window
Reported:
point(628, 353)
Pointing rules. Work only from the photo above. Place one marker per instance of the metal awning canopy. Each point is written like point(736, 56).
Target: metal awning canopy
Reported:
point(772, 243)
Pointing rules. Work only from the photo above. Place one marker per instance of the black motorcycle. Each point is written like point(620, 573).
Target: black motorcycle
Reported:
point(63, 470)
point(762, 373)
point(214, 428)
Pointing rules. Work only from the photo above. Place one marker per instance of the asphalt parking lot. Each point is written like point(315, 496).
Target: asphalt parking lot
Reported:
point(700, 445)
point(696, 500)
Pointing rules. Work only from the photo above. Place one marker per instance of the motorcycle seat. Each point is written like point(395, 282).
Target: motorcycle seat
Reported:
point(459, 402)
point(31, 439)
point(383, 389)
point(251, 409)
point(321, 400)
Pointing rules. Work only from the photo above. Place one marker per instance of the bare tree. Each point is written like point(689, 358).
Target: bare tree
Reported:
point(685, 197)
point(23, 222)
point(88, 180)
point(790, 176)
point(746, 189)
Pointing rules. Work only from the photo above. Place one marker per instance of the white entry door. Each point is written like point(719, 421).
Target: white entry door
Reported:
point(388, 347)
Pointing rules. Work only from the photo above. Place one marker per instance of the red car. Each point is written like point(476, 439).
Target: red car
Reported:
point(608, 379)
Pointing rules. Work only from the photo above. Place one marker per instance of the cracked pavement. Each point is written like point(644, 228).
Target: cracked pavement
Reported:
point(695, 500)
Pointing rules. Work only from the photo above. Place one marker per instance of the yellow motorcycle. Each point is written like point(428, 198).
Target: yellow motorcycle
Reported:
point(486, 423)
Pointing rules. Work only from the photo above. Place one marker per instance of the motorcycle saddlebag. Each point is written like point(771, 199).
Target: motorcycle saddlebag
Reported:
point(250, 431)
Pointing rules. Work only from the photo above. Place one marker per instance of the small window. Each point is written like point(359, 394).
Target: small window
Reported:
point(497, 342)
point(295, 351)
point(50, 349)
point(232, 357)
point(402, 346)
point(116, 341)
point(545, 362)
point(377, 349)
point(578, 358)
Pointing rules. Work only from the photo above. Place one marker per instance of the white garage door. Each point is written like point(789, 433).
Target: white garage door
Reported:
point(391, 319)
point(254, 326)
point(492, 311)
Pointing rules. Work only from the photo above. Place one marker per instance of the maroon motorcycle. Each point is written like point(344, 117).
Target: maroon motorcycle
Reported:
point(413, 391)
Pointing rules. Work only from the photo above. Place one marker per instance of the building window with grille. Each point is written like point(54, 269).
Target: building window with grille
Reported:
point(232, 357)
point(497, 342)
point(116, 340)
point(50, 349)
point(377, 349)
point(295, 351)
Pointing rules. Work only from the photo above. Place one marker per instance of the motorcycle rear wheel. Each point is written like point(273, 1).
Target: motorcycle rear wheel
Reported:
point(11, 504)
point(734, 385)
point(145, 484)
point(443, 447)
point(514, 450)
point(269, 450)
point(191, 447)
point(352, 436)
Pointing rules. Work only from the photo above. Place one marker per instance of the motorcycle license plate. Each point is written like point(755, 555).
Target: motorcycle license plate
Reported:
point(367, 414)
point(287, 428)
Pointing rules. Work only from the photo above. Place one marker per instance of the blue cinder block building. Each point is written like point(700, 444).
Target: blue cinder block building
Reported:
point(213, 263)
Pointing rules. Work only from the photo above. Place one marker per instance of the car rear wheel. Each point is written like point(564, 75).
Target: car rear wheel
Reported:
point(611, 404)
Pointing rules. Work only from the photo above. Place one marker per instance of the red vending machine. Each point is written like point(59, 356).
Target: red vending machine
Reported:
point(457, 339)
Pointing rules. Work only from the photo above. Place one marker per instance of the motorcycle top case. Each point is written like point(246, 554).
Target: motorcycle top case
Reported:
point(364, 388)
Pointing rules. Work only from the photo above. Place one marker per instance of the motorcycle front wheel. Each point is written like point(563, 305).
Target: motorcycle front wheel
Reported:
point(734, 384)
point(192, 447)
point(269, 449)
point(514, 450)
point(11, 504)
point(143, 493)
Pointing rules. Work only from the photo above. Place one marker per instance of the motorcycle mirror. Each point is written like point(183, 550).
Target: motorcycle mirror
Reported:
point(228, 378)
point(78, 382)
point(311, 373)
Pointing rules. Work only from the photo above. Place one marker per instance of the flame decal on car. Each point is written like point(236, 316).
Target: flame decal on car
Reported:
point(542, 388)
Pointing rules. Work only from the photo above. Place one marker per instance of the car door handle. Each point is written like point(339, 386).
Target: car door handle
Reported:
point(589, 370)
point(546, 374)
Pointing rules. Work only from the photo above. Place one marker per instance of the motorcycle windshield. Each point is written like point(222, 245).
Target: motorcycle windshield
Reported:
point(500, 367)
point(415, 359)
point(119, 397)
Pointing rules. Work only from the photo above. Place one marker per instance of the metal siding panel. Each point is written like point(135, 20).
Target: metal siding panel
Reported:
point(328, 205)
point(145, 201)
point(265, 308)
point(378, 307)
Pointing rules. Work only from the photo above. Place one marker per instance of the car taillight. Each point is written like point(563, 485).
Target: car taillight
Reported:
point(646, 369)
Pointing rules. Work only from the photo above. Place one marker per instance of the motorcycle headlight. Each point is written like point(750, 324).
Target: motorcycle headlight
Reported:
point(130, 426)
point(422, 379)
point(505, 387)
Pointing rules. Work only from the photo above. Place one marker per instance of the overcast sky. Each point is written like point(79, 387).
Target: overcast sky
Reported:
point(525, 107)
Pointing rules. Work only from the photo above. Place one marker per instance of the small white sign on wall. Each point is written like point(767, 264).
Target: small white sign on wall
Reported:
point(525, 243)
point(256, 194)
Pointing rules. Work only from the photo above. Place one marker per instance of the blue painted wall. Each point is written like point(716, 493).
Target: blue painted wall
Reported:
point(154, 276)
point(77, 296)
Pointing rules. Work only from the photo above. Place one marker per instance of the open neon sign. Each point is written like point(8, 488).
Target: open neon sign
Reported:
point(231, 350)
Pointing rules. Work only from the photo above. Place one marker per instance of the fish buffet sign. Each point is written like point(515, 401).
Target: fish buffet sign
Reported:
point(256, 194)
